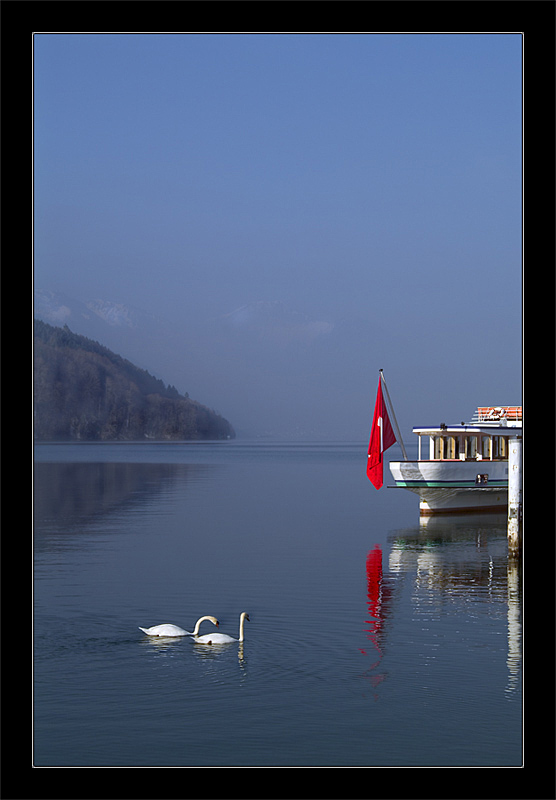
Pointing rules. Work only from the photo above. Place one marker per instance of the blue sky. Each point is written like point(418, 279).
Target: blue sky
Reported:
point(371, 180)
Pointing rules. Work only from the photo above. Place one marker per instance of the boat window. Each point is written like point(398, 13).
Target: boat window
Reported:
point(439, 447)
point(471, 446)
point(485, 446)
point(499, 449)
point(450, 447)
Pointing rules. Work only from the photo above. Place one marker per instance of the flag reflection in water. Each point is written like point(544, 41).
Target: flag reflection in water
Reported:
point(378, 593)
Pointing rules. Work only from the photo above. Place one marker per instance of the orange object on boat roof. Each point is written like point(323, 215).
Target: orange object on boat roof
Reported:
point(497, 412)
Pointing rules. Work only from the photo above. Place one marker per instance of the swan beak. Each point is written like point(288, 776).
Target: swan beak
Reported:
point(247, 618)
point(217, 623)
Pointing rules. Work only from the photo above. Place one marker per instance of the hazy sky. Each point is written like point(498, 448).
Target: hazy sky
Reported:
point(371, 182)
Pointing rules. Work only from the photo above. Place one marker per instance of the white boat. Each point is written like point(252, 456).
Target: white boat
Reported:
point(462, 468)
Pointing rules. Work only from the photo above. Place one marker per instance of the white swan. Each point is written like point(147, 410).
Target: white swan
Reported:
point(223, 638)
point(173, 630)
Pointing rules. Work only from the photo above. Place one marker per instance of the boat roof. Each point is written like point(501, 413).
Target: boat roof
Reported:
point(487, 419)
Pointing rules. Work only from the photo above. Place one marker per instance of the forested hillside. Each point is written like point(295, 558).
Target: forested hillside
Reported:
point(85, 392)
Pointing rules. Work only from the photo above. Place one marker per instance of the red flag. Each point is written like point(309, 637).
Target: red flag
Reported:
point(382, 437)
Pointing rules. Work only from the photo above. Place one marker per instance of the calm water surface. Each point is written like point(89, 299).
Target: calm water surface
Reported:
point(372, 641)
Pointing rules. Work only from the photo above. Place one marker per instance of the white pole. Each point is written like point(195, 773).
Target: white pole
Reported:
point(394, 420)
point(514, 496)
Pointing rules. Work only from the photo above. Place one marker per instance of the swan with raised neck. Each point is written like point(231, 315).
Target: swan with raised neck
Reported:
point(223, 638)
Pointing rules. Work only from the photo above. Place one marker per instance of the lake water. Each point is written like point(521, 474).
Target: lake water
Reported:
point(372, 640)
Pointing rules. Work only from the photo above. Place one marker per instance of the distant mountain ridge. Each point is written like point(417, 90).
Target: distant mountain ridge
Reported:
point(91, 316)
point(84, 391)
point(268, 318)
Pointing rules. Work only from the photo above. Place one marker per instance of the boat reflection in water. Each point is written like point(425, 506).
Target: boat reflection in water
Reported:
point(378, 604)
point(455, 560)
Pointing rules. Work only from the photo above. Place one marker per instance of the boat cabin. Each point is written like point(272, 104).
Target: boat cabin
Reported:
point(485, 438)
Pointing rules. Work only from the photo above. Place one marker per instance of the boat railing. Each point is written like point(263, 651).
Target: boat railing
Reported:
point(495, 413)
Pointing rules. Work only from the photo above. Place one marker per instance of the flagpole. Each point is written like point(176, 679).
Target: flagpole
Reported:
point(395, 421)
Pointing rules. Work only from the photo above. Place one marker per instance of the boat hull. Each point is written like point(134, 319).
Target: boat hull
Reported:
point(454, 487)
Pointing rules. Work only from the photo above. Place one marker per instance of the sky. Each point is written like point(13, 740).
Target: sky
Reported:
point(299, 209)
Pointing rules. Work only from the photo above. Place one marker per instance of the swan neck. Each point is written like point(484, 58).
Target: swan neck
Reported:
point(241, 622)
point(198, 625)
